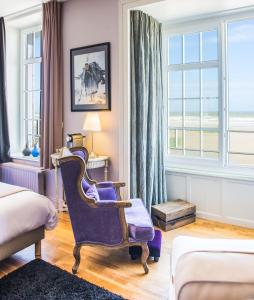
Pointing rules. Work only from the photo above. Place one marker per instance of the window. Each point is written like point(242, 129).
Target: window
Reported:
point(31, 85)
point(240, 64)
point(211, 93)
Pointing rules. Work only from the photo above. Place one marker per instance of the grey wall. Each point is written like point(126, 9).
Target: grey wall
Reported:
point(88, 22)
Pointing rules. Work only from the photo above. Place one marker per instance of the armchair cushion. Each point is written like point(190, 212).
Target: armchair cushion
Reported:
point(107, 193)
point(93, 193)
point(139, 222)
point(79, 153)
point(85, 185)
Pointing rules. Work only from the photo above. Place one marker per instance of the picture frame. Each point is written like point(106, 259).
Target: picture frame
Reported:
point(90, 78)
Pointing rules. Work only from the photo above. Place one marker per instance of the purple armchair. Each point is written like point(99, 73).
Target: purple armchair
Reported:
point(98, 220)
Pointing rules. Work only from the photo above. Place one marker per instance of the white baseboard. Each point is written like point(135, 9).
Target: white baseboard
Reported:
point(226, 220)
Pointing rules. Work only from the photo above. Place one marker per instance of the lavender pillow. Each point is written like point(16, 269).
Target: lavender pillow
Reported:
point(85, 185)
point(93, 193)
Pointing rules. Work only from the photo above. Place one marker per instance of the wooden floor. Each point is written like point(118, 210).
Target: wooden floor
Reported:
point(113, 269)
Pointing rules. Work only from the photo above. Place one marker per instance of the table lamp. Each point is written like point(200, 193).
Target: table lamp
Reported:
point(92, 123)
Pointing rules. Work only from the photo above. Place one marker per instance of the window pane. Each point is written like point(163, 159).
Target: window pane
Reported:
point(37, 76)
point(211, 155)
point(172, 139)
point(240, 159)
point(36, 140)
point(175, 84)
point(29, 105)
point(241, 74)
point(191, 47)
point(179, 138)
point(29, 45)
point(241, 120)
point(29, 139)
point(36, 127)
point(210, 83)
point(175, 113)
point(192, 84)
point(37, 104)
point(210, 113)
point(29, 77)
point(209, 45)
point(241, 142)
point(176, 152)
point(37, 44)
point(29, 127)
point(210, 141)
point(33, 76)
point(192, 113)
point(192, 140)
point(192, 153)
point(176, 50)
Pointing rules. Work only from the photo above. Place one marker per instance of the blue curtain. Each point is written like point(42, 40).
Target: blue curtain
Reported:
point(147, 111)
point(4, 133)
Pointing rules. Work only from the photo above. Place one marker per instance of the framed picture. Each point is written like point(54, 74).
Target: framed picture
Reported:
point(90, 78)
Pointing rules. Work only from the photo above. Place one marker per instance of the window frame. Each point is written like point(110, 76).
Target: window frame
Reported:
point(202, 24)
point(23, 61)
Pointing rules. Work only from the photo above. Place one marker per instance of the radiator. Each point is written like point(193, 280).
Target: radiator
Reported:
point(26, 176)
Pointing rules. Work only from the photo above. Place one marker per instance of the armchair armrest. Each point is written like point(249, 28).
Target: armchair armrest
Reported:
point(119, 184)
point(114, 204)
point(105, 184)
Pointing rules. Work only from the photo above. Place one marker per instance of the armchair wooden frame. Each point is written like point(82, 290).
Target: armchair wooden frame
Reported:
point(120, 205)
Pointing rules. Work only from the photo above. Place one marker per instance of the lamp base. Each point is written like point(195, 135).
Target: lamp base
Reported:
point(92, 155)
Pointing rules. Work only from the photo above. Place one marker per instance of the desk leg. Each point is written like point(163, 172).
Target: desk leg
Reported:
point(64, 201)
point(56, 183)
point(106, 171)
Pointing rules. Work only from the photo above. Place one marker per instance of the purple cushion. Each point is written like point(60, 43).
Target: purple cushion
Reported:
point(139, 221)
point(79, 153)
point(108, 193)
point(154, 246)
point(93, 193)
point(85, 185)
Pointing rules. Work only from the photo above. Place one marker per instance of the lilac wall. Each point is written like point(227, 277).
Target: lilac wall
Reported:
point(88, 22)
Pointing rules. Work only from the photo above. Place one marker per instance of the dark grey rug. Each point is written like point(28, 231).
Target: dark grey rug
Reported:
point(41, 280)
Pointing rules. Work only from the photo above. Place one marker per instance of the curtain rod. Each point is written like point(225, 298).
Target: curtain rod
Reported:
point(22, 12)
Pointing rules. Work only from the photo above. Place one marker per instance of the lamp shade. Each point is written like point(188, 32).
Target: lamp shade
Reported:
point(92, 122)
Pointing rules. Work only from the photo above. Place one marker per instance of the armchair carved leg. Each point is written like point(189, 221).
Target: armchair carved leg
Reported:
point(76, 254)
point(144, 257)
point(38, 249)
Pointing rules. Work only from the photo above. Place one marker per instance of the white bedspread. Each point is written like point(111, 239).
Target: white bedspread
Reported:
point(22, 210)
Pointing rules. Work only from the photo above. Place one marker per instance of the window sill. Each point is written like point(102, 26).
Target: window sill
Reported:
point(208, 172)
point(25, 160)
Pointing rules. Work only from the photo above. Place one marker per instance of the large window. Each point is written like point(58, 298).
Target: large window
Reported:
point(211, 93)
point(31, 85)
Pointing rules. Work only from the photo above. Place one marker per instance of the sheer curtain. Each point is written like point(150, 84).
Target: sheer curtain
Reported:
point(4, 133)
point(147, 153)
point(52, 97)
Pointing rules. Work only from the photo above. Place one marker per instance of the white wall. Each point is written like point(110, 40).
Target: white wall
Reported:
point(86, 23)
point(226, 200)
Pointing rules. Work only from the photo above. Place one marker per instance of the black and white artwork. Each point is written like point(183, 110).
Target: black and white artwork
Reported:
point(90, 78)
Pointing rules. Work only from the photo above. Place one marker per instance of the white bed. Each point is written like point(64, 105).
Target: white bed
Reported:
point(23, 217)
